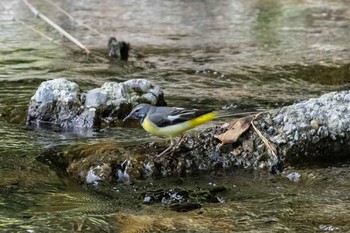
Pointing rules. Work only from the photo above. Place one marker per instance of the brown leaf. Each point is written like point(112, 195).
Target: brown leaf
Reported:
point(235, 129)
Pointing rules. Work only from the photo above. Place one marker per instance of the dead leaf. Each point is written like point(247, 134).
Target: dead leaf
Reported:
point(235, 129)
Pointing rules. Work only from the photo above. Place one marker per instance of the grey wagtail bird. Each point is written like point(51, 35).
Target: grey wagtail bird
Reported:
point(169, 121)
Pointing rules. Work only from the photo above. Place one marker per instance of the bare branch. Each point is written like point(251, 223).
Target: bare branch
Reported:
point(73, 19)
point(30, 27)
point(58, 28)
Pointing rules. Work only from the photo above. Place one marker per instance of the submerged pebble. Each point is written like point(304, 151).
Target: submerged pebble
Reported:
point(328, 228)
point(294, 176)
point(91, 178)
point(122, 174)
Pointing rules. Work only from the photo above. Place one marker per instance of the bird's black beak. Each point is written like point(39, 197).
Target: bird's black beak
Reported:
point(128, 117)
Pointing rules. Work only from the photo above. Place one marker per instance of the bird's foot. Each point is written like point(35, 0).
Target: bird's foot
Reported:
point(172, 148)
point(167, 151)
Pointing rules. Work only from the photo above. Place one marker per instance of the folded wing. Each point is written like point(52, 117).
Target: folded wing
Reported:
point(166, 116)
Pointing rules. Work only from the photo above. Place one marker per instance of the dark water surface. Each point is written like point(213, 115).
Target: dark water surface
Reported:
point(204, 54)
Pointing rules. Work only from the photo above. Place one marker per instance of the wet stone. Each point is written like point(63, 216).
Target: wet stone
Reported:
point(288, 128)
point(296, 136)
point(313, 131)
point(294, 176)
point(118, 49)
point(59, 103)
point(95, 98)
point(347, 97)
point(278, 119)
point(322, 132)
point(304, 126)
point(270, 130)
point(278, 139)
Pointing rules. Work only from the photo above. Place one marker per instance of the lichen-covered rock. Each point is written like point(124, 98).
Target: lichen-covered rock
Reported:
point(313, 130)
point(116, 99)
point(56, 102)
point(290, 129)
point(60, 103)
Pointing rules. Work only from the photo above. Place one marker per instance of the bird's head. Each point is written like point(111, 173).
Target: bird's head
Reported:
point(139, 112)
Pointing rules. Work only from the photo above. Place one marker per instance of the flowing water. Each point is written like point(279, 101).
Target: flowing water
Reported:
point(204, 54)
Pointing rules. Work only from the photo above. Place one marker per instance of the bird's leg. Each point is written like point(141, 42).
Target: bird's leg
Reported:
point(167, 149)
point(177, 145)
point(173, 146)
point(179, 142)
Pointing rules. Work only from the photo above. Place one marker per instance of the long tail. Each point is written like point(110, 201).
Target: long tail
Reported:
point(219, 114)
point(202, 119)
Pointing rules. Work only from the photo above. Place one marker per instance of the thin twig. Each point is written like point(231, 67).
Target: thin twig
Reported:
point(270, 146)
point(30, 27)
point(58, 28)
point(35, 30)
point(73, 19)
point(79, 23)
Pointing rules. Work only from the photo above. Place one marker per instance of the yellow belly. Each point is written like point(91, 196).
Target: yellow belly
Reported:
point(173, 130)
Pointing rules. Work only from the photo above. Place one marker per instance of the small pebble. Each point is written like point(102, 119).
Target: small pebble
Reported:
point(347, 97)
point(278, 119)
point(333, 137)
point(278, 139)
point(312, 131)
point(288, 128)
point(91, 178)
point(294, 176)
point(323, 132)
point(296, 135)
point(314, 124)
point(328, 228)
